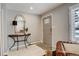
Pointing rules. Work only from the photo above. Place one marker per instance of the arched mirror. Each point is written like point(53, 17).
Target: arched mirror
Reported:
point(19, 23)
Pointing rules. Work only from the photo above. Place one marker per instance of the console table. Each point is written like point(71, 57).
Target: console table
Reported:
point(16, 40)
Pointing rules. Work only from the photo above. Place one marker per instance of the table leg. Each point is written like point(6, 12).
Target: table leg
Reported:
point(25, 41)
point(17, 44)
point(28, 41)
point(13, 43)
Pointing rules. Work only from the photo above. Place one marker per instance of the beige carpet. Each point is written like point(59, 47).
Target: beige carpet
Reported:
point(32, 50)
point(42, 45)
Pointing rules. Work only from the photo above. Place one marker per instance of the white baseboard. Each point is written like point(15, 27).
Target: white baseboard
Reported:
point(36, 42)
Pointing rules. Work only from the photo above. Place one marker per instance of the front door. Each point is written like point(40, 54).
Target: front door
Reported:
point(47, 31)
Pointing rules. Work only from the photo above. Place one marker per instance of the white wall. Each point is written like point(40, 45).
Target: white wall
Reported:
point(3, 28)
point(60, 24)
point(33, 23)
point(0, 28)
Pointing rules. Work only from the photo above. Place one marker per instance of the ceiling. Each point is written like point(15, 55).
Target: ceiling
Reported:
point(32, 8)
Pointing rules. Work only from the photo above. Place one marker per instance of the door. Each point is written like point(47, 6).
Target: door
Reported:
point(47, 31)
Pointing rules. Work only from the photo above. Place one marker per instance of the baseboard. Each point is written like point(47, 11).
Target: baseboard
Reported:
point(36, 42)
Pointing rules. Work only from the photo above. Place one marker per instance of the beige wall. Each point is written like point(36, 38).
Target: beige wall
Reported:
point(60, 24)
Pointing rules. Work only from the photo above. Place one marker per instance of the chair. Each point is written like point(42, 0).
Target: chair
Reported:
point(64, 48)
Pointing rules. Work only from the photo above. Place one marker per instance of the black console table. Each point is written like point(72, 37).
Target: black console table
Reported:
point(13, 36)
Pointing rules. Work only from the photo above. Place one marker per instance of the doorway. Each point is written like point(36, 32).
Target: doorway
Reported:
point(47, 31)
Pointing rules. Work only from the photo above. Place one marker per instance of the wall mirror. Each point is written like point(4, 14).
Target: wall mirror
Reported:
point(19, 23)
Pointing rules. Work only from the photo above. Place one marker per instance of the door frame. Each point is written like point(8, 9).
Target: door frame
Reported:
point(45, 17)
